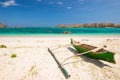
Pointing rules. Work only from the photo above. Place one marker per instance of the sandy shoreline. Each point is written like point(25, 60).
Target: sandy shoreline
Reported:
point(34, 62)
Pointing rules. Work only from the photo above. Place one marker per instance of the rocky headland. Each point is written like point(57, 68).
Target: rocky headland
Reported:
point(90, 25)
point(3, 25)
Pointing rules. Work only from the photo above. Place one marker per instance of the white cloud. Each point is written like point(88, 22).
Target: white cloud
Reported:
point(8, 3)
point(69, 7)
point(60, 3)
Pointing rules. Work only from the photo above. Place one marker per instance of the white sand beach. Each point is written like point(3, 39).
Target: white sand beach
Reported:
point(34, 62)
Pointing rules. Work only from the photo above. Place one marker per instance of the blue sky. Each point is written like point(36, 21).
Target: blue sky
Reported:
point(37, 13)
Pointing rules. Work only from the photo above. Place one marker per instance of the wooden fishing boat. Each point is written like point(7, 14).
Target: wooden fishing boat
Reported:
point(100, 54)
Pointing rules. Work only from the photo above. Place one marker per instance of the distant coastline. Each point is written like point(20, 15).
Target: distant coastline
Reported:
point(3, 25)
point(89, 25)
point(86, 25)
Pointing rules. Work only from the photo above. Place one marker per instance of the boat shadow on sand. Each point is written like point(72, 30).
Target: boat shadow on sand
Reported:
point(90, 60)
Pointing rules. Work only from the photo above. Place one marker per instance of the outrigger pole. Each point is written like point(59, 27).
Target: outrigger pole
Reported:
point(64, 71)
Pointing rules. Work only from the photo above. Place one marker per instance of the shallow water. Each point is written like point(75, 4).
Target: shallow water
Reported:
point(43, 31)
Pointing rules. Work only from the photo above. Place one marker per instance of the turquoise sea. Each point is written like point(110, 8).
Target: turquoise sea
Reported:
point(47, 31)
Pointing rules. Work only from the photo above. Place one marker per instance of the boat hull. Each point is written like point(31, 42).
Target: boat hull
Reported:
point(106, 55)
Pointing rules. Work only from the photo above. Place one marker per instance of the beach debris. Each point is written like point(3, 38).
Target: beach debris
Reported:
point(5, 54)
point(3, 46)
point(64, 71)
point(85, 40)
point(13, 56)
point(94, 52)
point(33, 72)
point(105, 46)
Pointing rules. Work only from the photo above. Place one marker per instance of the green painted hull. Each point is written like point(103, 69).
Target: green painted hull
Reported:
point(106, 55)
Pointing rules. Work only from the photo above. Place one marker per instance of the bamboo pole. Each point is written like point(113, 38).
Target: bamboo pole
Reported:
point(64, 71)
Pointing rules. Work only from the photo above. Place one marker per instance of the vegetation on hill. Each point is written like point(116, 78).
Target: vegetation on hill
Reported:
point(91, 25)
